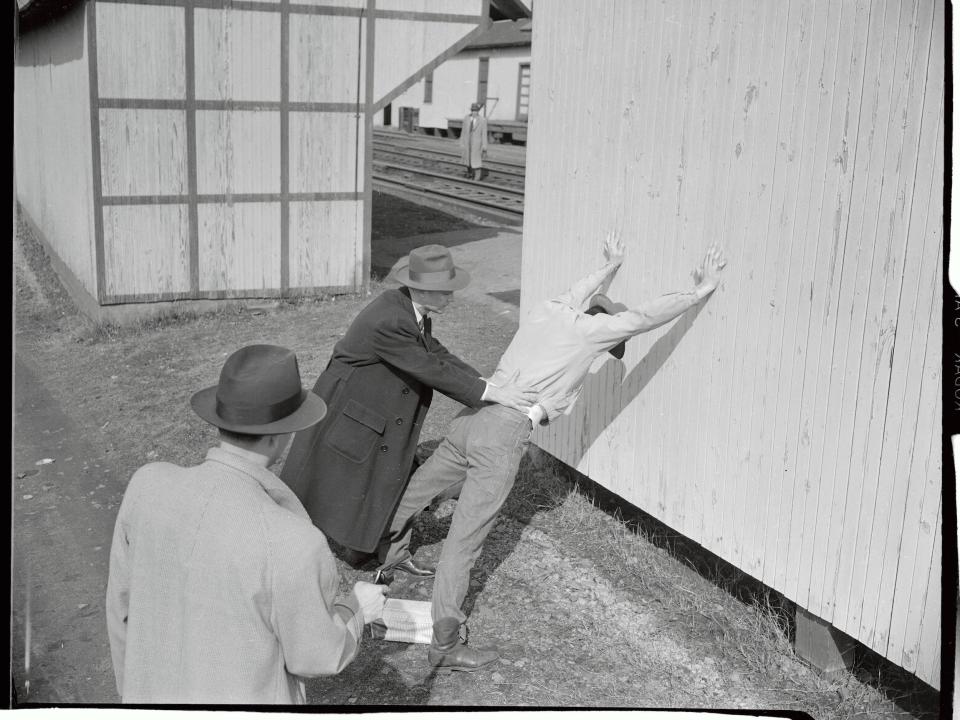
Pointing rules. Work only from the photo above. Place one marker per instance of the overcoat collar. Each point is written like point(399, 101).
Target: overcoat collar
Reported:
point(278, 491)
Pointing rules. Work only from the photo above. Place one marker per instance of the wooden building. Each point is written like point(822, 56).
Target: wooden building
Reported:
point(493, 69)
point(190, 150)
point(792, 424)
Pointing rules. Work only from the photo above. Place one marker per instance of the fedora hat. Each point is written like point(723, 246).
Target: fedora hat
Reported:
point(600, 303)
point(430, 267)
point(259, 393)
point(475, 106)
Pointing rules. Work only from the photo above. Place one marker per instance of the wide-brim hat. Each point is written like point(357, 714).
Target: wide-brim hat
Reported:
point(600, 303)
point(259, 393)
point(430, 267)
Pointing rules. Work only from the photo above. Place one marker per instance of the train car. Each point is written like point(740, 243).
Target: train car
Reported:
point(493, 69)
point(182, 152)
point(792, 423)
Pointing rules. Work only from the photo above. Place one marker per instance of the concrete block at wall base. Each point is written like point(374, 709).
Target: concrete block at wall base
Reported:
point(821, 644)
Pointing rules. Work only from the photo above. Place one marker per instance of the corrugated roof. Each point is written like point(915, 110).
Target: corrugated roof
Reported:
point(504, 33)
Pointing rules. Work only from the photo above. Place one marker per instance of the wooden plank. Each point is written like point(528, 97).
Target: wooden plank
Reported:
point(785, 286)
point(699, 148)
point(761, 114)
point(826, 514)
point(914, 298)
point(914, 453)
point(739, 292)
point(237, 55)
point(146, 249)
point(327, 59)
point(324, 243)
point(143, 152)
point(239, 246)
point(238, 152)
point(854, 299)
point(804, 339)
point(929, 643)
point(877, 343)
point(326, 153)
point(140, 51)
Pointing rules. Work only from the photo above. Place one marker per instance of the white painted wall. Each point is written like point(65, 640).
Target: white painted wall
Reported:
point(52, 152)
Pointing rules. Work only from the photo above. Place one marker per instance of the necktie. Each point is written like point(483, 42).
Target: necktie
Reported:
point(420, 324)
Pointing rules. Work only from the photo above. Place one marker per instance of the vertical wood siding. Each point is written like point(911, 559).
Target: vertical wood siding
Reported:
point(53, 158)
point(791, 423)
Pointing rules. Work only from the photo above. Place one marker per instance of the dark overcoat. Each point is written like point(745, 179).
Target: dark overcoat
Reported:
point(350, 469)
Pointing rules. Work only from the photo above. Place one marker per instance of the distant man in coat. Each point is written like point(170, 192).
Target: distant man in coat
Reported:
point(220, 589)
point(351, 470)
point(473, 142)
point(552, 352)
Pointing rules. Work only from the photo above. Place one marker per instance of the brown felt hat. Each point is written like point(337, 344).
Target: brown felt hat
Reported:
point(259, 393)
point(600, 303)
point(430, 267)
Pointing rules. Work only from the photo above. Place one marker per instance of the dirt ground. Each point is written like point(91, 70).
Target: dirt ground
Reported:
point(592, 603)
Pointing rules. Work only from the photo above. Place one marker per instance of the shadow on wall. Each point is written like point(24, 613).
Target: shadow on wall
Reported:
point(590, 422)
point(54, 35)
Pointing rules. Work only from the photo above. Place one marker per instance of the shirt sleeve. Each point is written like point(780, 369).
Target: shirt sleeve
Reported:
point(118, 590)
point(319, 634)
point(586, 286)
point(398, 344)
point(612, 329)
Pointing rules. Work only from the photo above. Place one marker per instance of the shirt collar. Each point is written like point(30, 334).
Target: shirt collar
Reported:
point(416, 312)
point(247, 463)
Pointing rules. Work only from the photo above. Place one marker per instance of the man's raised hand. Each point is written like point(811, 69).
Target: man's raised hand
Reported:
point(707, 274)
point(613, 248)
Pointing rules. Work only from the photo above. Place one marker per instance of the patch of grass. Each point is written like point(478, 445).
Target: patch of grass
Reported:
point(750, 623)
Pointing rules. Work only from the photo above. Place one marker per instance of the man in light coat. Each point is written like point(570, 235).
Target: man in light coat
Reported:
point(473, 142)
point(221, 590)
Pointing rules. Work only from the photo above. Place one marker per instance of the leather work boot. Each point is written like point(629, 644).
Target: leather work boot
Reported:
point(448, 652)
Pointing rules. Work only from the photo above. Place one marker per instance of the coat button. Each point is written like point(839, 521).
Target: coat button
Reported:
point(406, 391)
point(399, 421)
point(383, 448)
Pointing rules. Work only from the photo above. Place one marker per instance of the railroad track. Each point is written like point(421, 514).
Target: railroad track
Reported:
point(423, 168)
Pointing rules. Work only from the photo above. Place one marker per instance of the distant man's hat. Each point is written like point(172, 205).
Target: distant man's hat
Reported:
point(431, 267)
point(259, 393)
point(475, 106)
point(600, 303)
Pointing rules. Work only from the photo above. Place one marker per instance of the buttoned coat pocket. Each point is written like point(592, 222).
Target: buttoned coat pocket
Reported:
point(355, 431)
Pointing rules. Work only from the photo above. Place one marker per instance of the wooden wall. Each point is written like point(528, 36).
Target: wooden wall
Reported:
point(52, 141)
point(224, 143)
point(791, 425)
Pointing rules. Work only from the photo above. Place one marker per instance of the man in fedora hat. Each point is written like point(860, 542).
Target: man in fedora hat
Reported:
point(551, 353)
point(220, 589)
point(351, 470)
point(473, 142)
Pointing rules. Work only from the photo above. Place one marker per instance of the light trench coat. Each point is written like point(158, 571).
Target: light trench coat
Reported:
point(221, 590)
point(473, 143)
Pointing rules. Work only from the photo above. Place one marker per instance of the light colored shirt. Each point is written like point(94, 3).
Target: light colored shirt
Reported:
point(557, 342)
point(221, 590)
